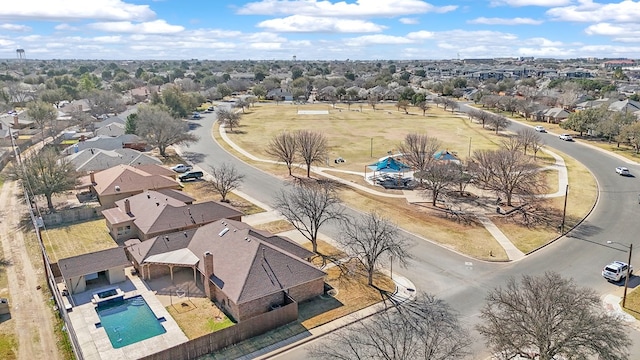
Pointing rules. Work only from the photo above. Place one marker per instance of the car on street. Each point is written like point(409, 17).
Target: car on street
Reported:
point(616, 271)
point(623, 171)
point(540, 128)
point(566, 137)
point(196, 115)
point(191, 175)
point(180, 168)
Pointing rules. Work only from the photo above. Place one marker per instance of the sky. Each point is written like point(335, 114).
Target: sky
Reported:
point(318, 29)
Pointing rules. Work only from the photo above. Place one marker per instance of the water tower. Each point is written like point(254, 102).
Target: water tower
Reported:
point(21, 54)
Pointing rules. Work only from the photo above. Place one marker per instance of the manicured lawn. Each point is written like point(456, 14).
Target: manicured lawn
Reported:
point(75, 239)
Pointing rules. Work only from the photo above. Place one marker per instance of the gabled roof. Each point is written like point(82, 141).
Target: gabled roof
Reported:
point(103, 142)
point(625, 106)
point(153, 212)
point(127, 179)
point(113, 129)
point(97, 159)
point(246, 267)
point(93, 262)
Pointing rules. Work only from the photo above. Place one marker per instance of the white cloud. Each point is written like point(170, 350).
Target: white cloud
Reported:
point(74, 10)
point(545, 52)
point(302, 23)
point(544, 42)
point(504, 21)
point(627, 33)
point(15, 27)
point(464, 38)
point(589, 11)
point(420, 35)
point(409, 21)
point(6, 43)
point(107, 39)
point(519, 3)
point(151, 27)
point(266, 46)
point(359, 8)
point(377, 40)
point(65, 27)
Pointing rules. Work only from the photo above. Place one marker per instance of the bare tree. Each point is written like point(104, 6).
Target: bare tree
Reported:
point(545, 317)
point(464, 175)
point(225, 179)
point(418, 150)
point(308, 206)
point(527, 138)
point(570, 91)
point(450, 103)
point(18, 92)
point(41, 113)
point(47, 174)
point(424, 106)
point(404, 105)
point(373, 101)
point(155, 124)
point(437, 178)
point(105, 102)
point(498, 122)
point(480, 115)
point(371, 237)
point(426, 329)
point(228, 117)
point(507, 172)
point(242, 104)
point(312, 147)
point(284, 147)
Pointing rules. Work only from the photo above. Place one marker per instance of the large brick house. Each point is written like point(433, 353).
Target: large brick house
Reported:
point(246, 271)
point(122, 181)
point(153, 213)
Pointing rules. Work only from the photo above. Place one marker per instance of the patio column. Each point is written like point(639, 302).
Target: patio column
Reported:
point(171, 271)
point(195, 279)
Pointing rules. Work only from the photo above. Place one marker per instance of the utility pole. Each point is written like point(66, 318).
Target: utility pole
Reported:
point(626, 278)
point(564, 210)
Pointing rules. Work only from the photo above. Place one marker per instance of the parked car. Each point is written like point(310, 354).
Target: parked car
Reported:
point(566, 137)
point(180, 168)
point(196, 115)
point(621, 170)
point(191, 175)
point(616, 271)
point(539, 128)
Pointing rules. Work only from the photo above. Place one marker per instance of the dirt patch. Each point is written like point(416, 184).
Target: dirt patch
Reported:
point(198, 316)
point(32, 320)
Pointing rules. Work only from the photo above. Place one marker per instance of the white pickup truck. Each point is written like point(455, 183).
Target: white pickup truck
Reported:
point(181, 168)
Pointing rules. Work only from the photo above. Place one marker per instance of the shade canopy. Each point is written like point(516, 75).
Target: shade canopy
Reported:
point(389, 165)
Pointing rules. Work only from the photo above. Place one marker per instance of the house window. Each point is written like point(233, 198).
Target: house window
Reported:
point(124, 230)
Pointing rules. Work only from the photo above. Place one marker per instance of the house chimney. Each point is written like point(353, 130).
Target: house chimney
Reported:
point(127, 206)
point(0, 126)
point(15, 120)
point(92, 177)
point(208, 271)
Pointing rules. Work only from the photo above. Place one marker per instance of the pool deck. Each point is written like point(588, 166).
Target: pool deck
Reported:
point(95, 343)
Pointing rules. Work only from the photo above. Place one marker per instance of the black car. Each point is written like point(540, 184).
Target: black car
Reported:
point(191, 175)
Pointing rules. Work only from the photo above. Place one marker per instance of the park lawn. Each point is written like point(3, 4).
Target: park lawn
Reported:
point(326, 252)
point(633, 303)
point(580, 200)
point(76, 239)
point(359, 137)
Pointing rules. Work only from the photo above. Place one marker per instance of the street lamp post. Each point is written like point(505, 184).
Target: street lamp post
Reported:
point(626, 278)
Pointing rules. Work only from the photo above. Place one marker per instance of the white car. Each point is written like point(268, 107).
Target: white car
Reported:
point(181, 168)
point(621, 170)
point(539, 129)
point(566, 137)
point(616, 271)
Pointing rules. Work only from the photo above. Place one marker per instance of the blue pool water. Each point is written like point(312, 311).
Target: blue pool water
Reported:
point(129, 321)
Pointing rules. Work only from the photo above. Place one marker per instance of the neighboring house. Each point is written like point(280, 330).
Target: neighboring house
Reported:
point(589, 104)
point(153, 213)
point(247, 272)
point(279, 94)
point(110, 120)
point(75, 105)
point(96, 159)
point(20, 121)
point(107, 143)
point(625, 106)
point(122, 181)
point(113, 130)
point(5, 135)
point(555, 115)
point(100, 268)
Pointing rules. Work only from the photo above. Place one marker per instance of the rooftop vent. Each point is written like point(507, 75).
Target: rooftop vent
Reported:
point(224, 231)
point(117, 187)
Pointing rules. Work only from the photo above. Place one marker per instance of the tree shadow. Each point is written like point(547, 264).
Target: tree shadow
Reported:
point(193, 157)
point(585, 230)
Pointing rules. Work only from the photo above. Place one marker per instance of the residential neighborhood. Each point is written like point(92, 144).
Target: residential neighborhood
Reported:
point(303, 195)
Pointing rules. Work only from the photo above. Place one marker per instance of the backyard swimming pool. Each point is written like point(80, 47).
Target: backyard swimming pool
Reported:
point(128, 321)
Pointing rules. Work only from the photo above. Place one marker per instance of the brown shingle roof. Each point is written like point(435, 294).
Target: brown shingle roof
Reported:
point(153, 212)
point(92, 262)
point(129, 179)
point(246, 267)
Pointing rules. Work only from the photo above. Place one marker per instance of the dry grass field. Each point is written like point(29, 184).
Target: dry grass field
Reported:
point(358, 134)
point(76, 239)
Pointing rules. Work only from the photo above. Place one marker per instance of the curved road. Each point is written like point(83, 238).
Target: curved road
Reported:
point(581, 254)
